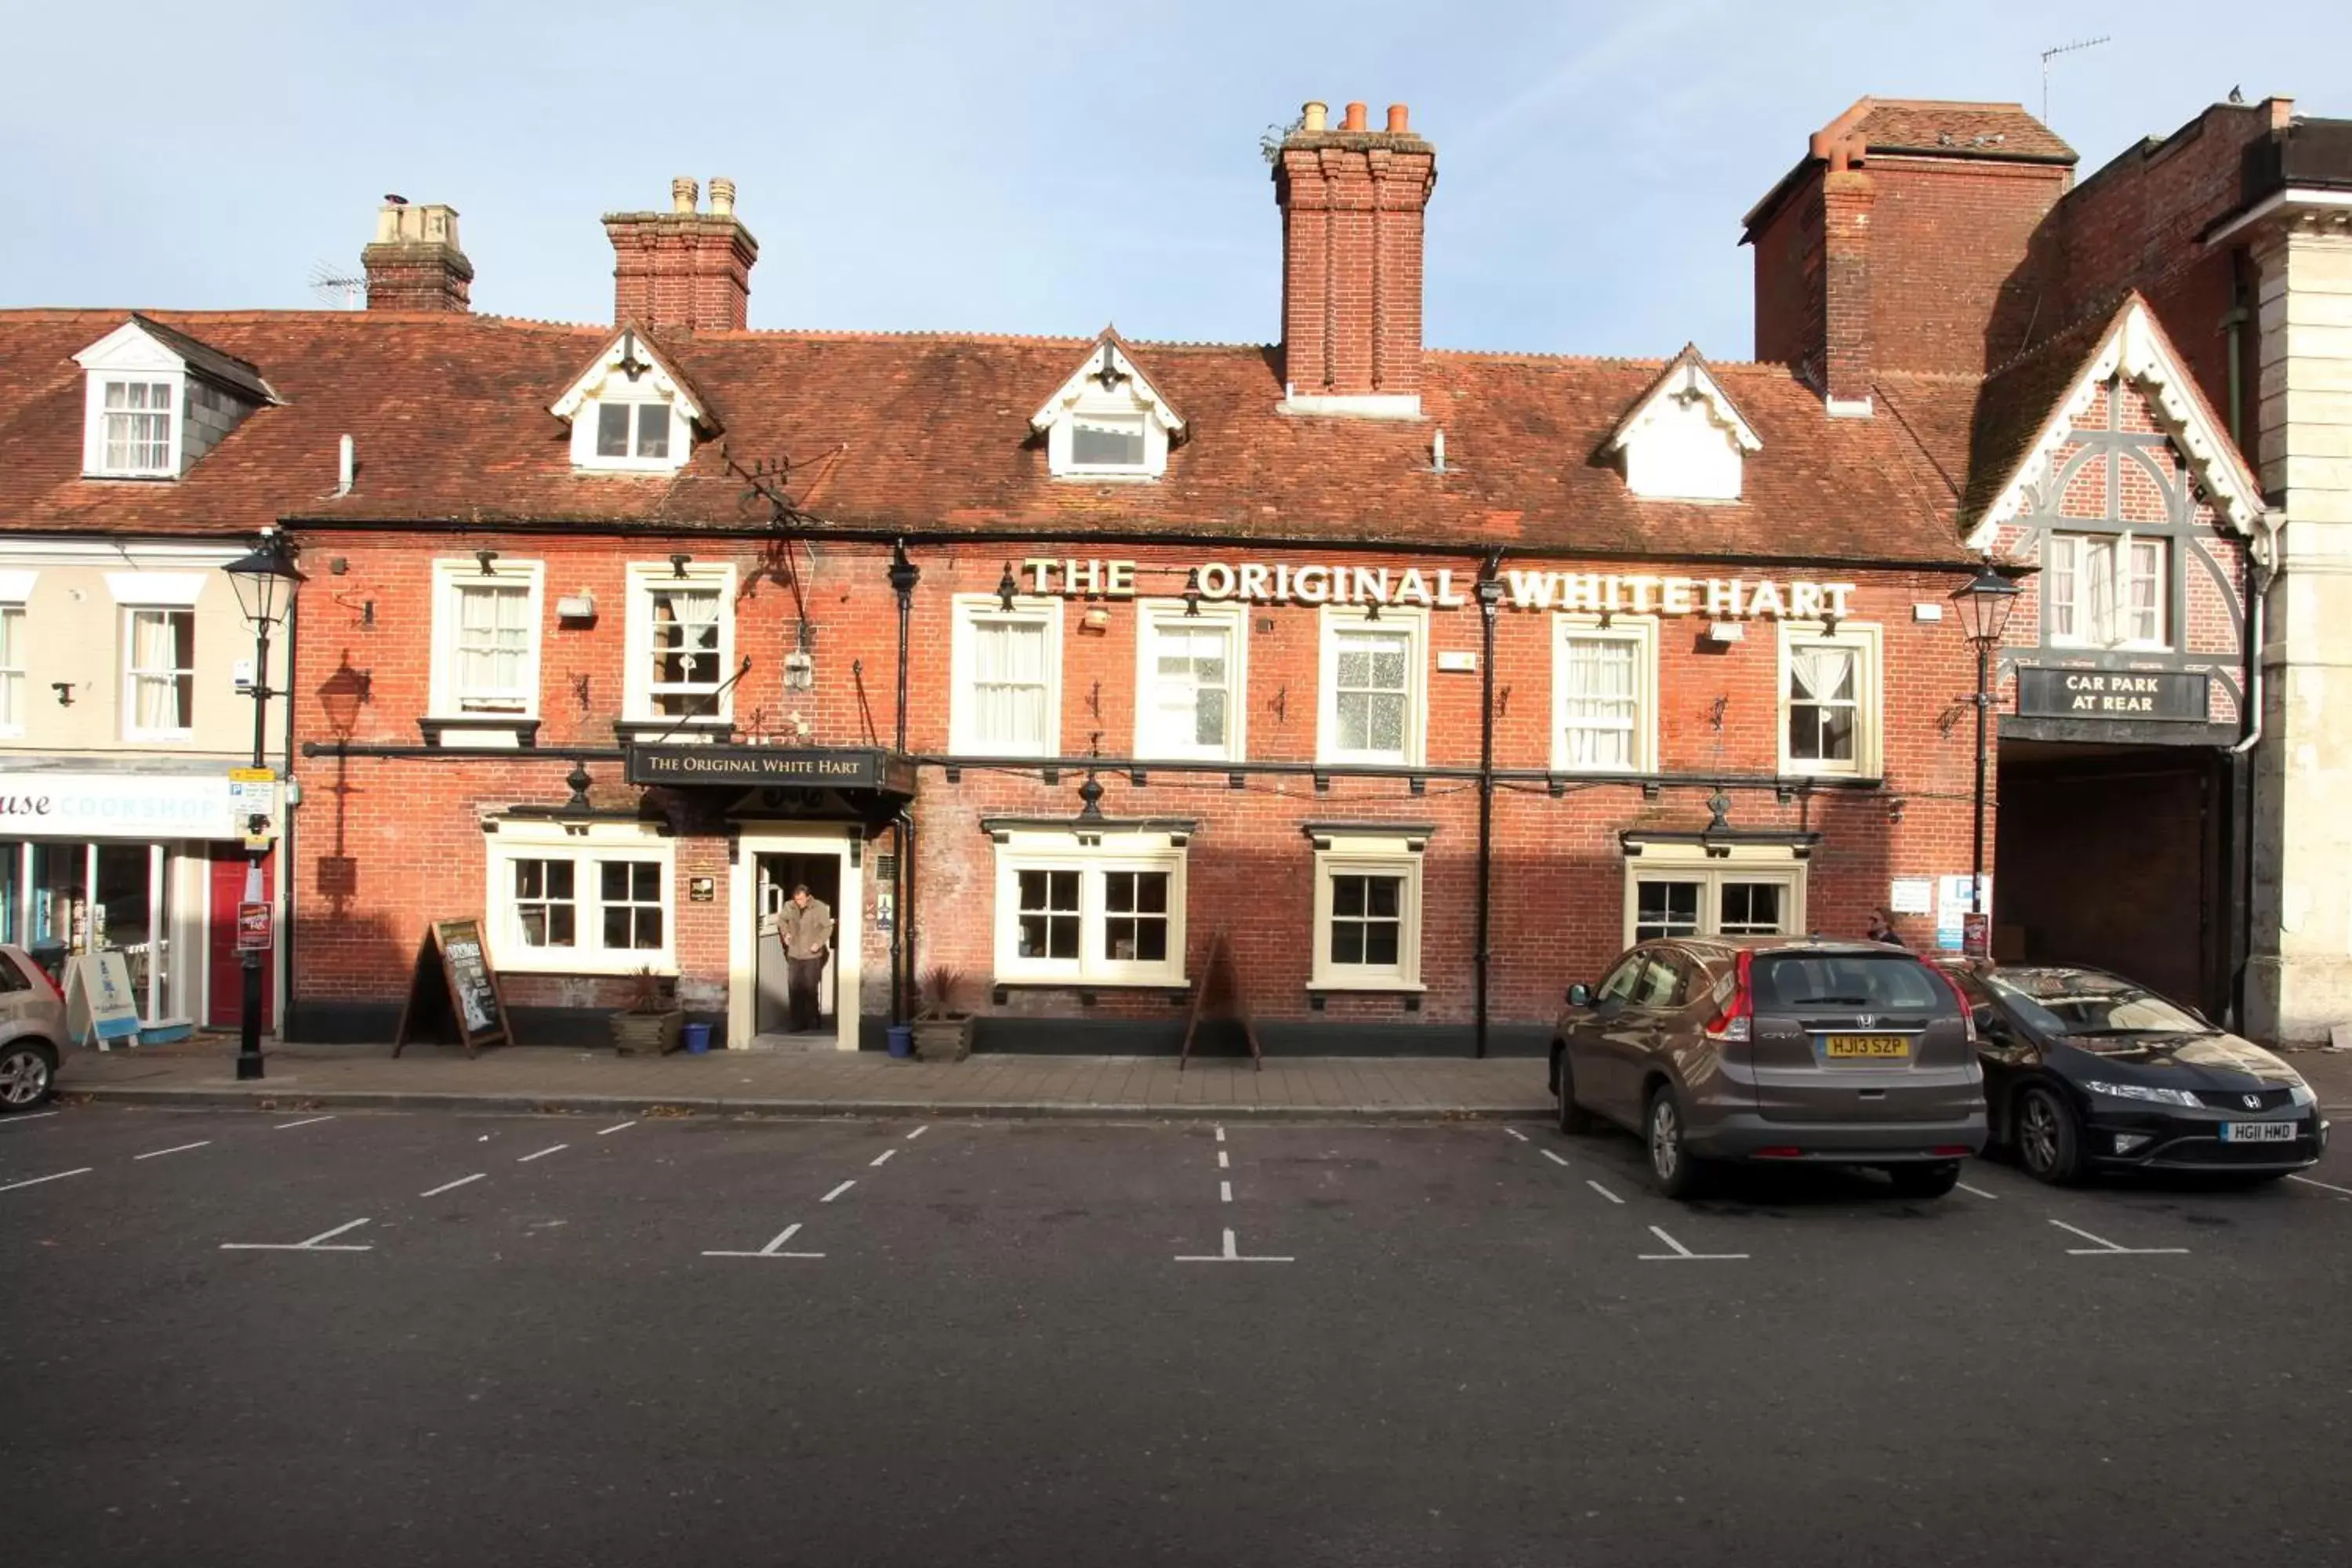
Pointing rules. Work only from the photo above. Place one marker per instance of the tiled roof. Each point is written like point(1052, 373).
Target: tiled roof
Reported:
point(1978, 130)
point(926, 433)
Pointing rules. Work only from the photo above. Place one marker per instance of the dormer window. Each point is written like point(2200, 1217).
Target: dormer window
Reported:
point(634, 432)
point(631, 411)
point(158, 400)
point(1107, 422)
point(1682, 440)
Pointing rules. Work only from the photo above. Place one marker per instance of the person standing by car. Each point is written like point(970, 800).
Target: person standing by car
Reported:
point(806, 928)
point(1882, 929)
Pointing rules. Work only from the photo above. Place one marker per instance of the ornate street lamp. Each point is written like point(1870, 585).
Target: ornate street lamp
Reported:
point(265, 583)
point(1985, 604)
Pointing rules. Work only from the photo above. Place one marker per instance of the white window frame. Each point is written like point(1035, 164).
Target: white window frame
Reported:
point(523, 840)
point(1693, 863)
point(132, 673)
point(94, 442)
point(646, 578)
point(963, 716)
point(1414, 621)
point(1642, 633)
point(1868, 643)
point(1156, 617)
point(2078, 545)
point(589, 423)
point(451, 579)
point(15, 679)
point(1093, 857)
point(1370, 855)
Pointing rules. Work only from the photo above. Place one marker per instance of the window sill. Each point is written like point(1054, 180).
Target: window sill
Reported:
point(1065, 983)
point(607, 968)
point(479, 731)
point(158, 477)
point(1109, 475)
point(160, 737)
point(1371, 988)
point(673, 732)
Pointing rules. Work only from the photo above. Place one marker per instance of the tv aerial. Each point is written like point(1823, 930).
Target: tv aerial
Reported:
point(2051, 53)
point(337, 289)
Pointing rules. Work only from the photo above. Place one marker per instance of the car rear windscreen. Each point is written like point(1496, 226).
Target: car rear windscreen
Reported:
point(1864, 982)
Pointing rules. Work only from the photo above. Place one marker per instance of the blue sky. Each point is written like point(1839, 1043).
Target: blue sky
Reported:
point(1002, 167)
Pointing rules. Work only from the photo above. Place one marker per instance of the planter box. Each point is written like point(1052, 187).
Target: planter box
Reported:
point(943, 1039)
point(646, 1034)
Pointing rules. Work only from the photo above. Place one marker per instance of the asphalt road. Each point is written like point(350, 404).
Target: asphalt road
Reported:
point(1005, 1352)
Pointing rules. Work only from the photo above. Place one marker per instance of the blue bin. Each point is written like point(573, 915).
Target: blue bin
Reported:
point(697, 1038)
point(902, 1039)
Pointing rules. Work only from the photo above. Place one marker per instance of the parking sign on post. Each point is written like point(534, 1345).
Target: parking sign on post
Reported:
point(252, 796)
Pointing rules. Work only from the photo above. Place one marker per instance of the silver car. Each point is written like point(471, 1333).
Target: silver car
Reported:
point(32, 1028)
point(1789, 1050)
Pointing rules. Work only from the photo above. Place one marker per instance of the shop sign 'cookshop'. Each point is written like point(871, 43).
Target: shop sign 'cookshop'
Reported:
point(1258, 583)
point(35, 805)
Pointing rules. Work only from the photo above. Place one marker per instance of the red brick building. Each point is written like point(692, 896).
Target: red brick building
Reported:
point(1428, 679)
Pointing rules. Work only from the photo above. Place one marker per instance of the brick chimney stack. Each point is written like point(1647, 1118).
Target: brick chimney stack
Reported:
point(1847, 195)
point(1352, 201)
point(414, 263)
point(683, 268)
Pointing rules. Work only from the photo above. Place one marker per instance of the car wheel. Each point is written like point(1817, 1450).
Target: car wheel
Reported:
point(1574, 1120)
point(1925, 1181)
point(27, 1070)
point(1680, 1174)
point(2049, 1141)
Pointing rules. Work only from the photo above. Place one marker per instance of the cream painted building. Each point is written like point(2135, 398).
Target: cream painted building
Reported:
point(126, 669)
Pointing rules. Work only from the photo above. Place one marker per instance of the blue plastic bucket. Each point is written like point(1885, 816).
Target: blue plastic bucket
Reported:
point(697, 1038)
point(902, 1039)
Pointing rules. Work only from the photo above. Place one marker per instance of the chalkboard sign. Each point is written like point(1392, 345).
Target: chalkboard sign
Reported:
point(454, 988)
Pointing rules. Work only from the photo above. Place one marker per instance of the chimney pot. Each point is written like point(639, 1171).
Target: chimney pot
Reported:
point(1354, 121)
point(1314, 115)
point(1397, 126)
point(722, 196)
point(683, 269)
point(682, 191)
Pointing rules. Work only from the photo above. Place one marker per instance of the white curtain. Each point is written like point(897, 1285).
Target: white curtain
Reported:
point(1597, 703)
point(1009, 683)
point(154, 653)
point(695, 615)
point(493, 638)
point(2099, 574)
point(1822, 675)
point(2147, 583)
point(12, 667)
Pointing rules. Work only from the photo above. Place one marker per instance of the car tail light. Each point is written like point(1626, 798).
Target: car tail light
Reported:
point(1735, 1024)
point(1779, 1153)
point(41, 971)
point(1967, 1012)
point(1950, 1151)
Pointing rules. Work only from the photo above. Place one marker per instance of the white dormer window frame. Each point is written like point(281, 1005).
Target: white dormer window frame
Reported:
point(1684, 440)
point(1107, 422)
point(130, 380)
point(628, 379)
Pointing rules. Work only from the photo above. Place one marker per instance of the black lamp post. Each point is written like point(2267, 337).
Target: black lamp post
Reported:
point(265, 583)
point(1985, 604)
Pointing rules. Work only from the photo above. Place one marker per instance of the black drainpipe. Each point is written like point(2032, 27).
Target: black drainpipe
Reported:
point(286, 878)
point(1490, 599)
point(904, 576)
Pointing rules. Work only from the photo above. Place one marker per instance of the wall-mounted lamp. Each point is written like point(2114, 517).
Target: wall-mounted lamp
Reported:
point(485, 557)
point(1894, 810)
point(677, 564)
point(1193, 592)
point(1006, 587)
point(64, 690)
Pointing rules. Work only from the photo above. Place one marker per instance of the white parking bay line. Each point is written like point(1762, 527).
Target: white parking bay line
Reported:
point(773, 1248)
point(1682, 1254)
point(306, 1121)
point(29, 1116)
point(2109, 1248)
point(452, 1186)
point(1232, 1254)
point(608, 1132)
point(837, 1192)
point(543, 1154)
point(1221, 1134)
point(176, 1149)
point(1517, 1133)
point(316, 1243)
point(1224, 1191)
point(1604, 1192)
point(1977, 1191)
point(919, 1131)
point(2323, 1186)
point(878, 1159)
point(1553, 1158)
point(1223, 1162)
point(37, 1181)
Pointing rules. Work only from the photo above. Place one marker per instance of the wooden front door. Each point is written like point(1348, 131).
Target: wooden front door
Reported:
point(225, 965)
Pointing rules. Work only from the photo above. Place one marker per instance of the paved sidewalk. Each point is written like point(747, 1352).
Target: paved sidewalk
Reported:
point(859, 1083)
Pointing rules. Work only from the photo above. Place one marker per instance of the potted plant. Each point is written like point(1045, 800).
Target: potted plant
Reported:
point(942, 1022)
point(649, 1023)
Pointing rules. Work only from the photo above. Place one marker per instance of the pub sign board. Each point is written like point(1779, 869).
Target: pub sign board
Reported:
point(2178, 694)
point(753, 766)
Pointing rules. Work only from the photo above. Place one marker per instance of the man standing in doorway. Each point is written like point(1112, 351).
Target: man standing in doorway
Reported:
point(806, 928)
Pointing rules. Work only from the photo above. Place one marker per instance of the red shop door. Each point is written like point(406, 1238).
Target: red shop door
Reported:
point(225, 965)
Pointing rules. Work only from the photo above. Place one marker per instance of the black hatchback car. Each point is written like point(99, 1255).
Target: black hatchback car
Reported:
point(2087, 1070)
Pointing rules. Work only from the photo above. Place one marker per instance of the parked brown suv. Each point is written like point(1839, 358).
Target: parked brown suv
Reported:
point(1785, 1049)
